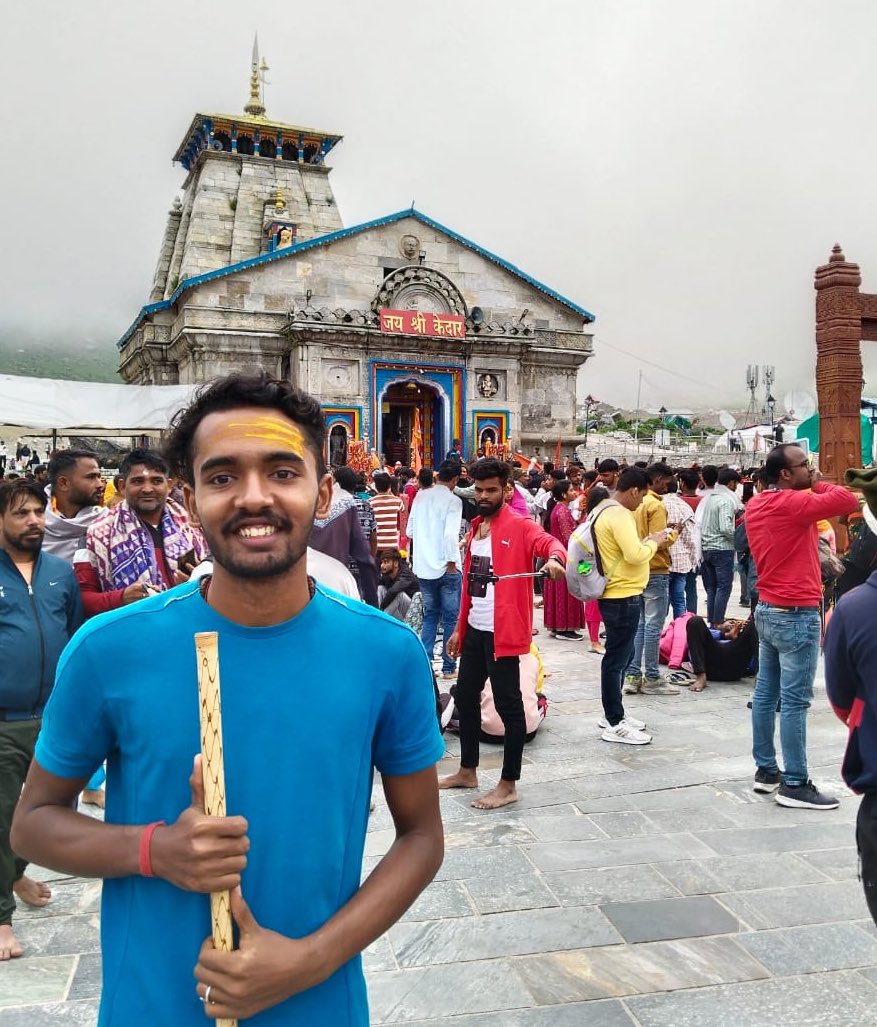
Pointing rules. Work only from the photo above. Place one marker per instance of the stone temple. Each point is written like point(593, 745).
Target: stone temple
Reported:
point(399, 325)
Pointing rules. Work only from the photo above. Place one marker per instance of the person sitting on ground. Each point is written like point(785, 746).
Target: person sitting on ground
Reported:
point(398, 584)
point(725, 653)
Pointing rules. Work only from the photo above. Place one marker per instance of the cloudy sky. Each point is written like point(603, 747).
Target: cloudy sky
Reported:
point(678, 167)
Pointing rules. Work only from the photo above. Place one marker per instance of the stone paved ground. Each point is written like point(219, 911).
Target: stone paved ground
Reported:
point(630, 886)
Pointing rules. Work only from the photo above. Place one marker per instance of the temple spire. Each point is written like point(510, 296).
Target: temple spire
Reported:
point(256, 104)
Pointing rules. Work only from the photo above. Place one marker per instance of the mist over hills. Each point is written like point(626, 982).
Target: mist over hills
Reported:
point(42, 357)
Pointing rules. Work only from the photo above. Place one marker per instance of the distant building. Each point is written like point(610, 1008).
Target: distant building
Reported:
point(395, 324)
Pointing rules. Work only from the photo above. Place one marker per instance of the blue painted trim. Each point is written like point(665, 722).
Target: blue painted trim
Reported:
point(345, 233)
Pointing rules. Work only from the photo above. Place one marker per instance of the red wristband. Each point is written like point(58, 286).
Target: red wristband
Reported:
point(145, 859)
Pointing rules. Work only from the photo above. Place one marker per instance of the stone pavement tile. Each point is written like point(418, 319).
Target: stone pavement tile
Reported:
point(609, 884)
point(803, 950)
point(870, 973)
point(566, 828)
point(738, 873)
point(838, 864)
point(664, 919)
point(633, 782)
point(694, 797)
point(806, 1001)
point(436, 992)
point(379, 956)
point(35, 979)
point(54, 1014)
point(608, 1013)
point(86, 982)
point(565, 769)
point(69, 895)
point(440, 899)
point(59, 936)
point(503, 934)
point(673, 821)
point(804, 904)
point(505, 894)
point(821, 834)
point(550, 793)
point(625, 824)
point(461, 864)
point(615, 852)
point(480, 831)
point(636, 969)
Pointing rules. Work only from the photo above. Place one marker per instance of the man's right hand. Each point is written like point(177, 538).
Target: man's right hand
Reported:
point(200, 853)
point(453, 645)
point(134, 592)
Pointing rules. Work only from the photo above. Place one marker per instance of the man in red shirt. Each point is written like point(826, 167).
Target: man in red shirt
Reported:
point(495, 627)
point(783, 540)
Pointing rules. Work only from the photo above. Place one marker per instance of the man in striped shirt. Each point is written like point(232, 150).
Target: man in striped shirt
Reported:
point(388, 512)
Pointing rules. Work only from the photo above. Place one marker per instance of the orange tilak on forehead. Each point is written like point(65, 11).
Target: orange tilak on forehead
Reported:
point(273, 430)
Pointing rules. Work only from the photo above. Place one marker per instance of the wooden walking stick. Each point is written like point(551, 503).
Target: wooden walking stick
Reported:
point(213, 774)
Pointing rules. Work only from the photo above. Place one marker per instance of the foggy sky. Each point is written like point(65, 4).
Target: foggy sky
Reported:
point(678, 167)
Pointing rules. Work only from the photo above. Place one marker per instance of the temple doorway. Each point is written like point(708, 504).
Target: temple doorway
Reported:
point(406, 408)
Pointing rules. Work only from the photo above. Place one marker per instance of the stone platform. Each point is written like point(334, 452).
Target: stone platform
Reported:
point(630, 885)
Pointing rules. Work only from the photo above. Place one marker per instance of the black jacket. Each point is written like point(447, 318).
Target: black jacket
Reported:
point(405, 582)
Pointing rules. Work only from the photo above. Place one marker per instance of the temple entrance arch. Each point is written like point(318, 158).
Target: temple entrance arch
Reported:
point(409, 404)
point(844, 317)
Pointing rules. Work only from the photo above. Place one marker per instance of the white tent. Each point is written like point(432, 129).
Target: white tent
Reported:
point(44, 405)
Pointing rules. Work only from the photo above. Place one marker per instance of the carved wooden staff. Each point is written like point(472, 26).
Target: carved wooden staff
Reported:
point(213, 774)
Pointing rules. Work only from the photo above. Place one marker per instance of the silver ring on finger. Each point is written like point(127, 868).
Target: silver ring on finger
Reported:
point(206, 999)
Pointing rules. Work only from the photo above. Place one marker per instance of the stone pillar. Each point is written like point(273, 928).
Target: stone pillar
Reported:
point(159, 281)
point(838, 365)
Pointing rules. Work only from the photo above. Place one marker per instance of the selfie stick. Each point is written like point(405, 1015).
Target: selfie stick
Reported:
point(213, 774)
point(491, 579)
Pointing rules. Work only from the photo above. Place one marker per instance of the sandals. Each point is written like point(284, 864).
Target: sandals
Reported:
point(680, 677)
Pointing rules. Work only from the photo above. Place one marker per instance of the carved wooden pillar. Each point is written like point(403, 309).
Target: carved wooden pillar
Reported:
point(838, 365)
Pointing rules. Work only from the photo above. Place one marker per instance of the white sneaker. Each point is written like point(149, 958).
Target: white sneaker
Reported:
point(626, 733)
point(633, 722)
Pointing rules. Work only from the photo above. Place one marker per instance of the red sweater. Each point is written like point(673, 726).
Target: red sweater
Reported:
point(781, 528)
point(515, 543)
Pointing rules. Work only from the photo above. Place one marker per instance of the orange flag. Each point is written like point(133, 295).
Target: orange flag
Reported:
point(416, 443)
point(557, 454)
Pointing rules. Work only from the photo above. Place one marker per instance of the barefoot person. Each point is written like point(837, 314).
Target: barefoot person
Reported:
point(40, 609)
point(250, 451)
point(495, 626)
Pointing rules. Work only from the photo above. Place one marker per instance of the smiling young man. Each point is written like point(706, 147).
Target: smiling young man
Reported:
point(495, 626)
point(135, 548)
point(250, 451)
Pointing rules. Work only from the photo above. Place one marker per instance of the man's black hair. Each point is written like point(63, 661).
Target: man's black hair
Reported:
point(146, 458)
point(390, 554)
point(381, 480)
point(236, 391)
point(777, 462)
point(632, 478)
point(449, 469)
point(11, 490)
point(346, 478)
point(490, 467)
point(547, 467)
point(659, 470)
point(727, 475)
point(689, 477)
point(642, 464)
point(710, 475)
point(64, 460)
point(425, 477)
point(608, 466)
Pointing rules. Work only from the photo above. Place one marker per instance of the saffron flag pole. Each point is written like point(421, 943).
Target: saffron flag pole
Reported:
point(416, 442)
point(213, 774)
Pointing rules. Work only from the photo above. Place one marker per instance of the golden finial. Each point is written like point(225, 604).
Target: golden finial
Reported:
point(280, 203)
point(256, 103)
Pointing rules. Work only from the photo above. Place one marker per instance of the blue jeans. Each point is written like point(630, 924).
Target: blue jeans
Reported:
point(787, 654)
point(678, 597)
point(691, 591)
point(441, 597)
point(654, 603)
point(718, 578)
point(620, 618)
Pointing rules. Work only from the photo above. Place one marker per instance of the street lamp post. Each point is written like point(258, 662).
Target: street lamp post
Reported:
point(589, 402)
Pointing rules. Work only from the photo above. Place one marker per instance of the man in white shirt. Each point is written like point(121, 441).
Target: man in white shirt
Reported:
point(434, 528)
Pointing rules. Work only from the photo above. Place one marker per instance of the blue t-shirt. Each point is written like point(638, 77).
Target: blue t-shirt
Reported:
point(309, 709)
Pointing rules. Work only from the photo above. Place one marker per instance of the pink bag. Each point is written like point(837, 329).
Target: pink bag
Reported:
point(673, 648)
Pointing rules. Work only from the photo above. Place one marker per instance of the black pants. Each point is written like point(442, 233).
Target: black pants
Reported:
point(720, 661)
point(621, 620)
point(17, 741)
point(477, 664)
point(866, 840)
